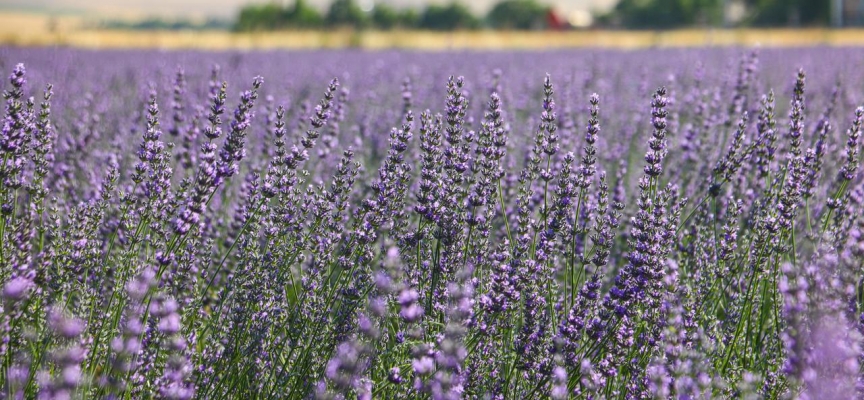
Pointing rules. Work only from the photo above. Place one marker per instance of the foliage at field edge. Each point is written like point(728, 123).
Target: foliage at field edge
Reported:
point(702, 240)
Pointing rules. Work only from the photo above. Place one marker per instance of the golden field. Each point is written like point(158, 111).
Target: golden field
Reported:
point(20, 29)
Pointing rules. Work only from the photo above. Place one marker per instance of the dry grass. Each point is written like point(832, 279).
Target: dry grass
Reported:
point(20, 29)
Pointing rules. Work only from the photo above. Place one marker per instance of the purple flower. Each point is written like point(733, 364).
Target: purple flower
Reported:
point(17, 289)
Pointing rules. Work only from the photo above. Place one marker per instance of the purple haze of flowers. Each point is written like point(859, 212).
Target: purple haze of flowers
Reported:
point(456, 236)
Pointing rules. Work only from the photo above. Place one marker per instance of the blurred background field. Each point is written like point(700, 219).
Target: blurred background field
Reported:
point(429, 40)
point(430, 25)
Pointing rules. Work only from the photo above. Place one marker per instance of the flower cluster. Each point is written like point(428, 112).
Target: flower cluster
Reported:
point(401, 234)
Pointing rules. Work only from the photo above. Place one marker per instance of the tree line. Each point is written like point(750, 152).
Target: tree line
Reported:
point(507, 14)
point(532, 15)
point(655, 14)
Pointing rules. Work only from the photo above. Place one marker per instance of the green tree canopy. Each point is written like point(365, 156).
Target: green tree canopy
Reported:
point(385, 17)
point(260, 17)
point(789, 12)
point(448, 17)
point(273, 16)
point(665, 14)
point(409, 18)
point(347, 13)
point(518, 14)
point(305, 16)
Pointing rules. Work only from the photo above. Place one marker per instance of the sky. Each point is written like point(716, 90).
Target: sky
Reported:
point(229, 8)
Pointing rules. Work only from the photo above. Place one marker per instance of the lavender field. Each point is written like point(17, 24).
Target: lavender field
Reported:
point(656, 224)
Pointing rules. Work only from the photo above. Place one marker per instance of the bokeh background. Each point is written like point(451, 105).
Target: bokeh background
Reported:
point(438, 24)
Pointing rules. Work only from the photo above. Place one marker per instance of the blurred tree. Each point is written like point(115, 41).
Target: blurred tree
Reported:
point(273, 16)
point(305, 16)
point(347, 13)
point(260, 17)
point(664, 14)
point(518, 14)
point(409, 18)
point(385, 17)
point(789, 12)
point(450, 17)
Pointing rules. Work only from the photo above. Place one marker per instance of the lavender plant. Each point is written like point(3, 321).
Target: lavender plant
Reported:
point(399, 233)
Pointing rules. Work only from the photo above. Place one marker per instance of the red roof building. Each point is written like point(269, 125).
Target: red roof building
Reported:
point(555, 21)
